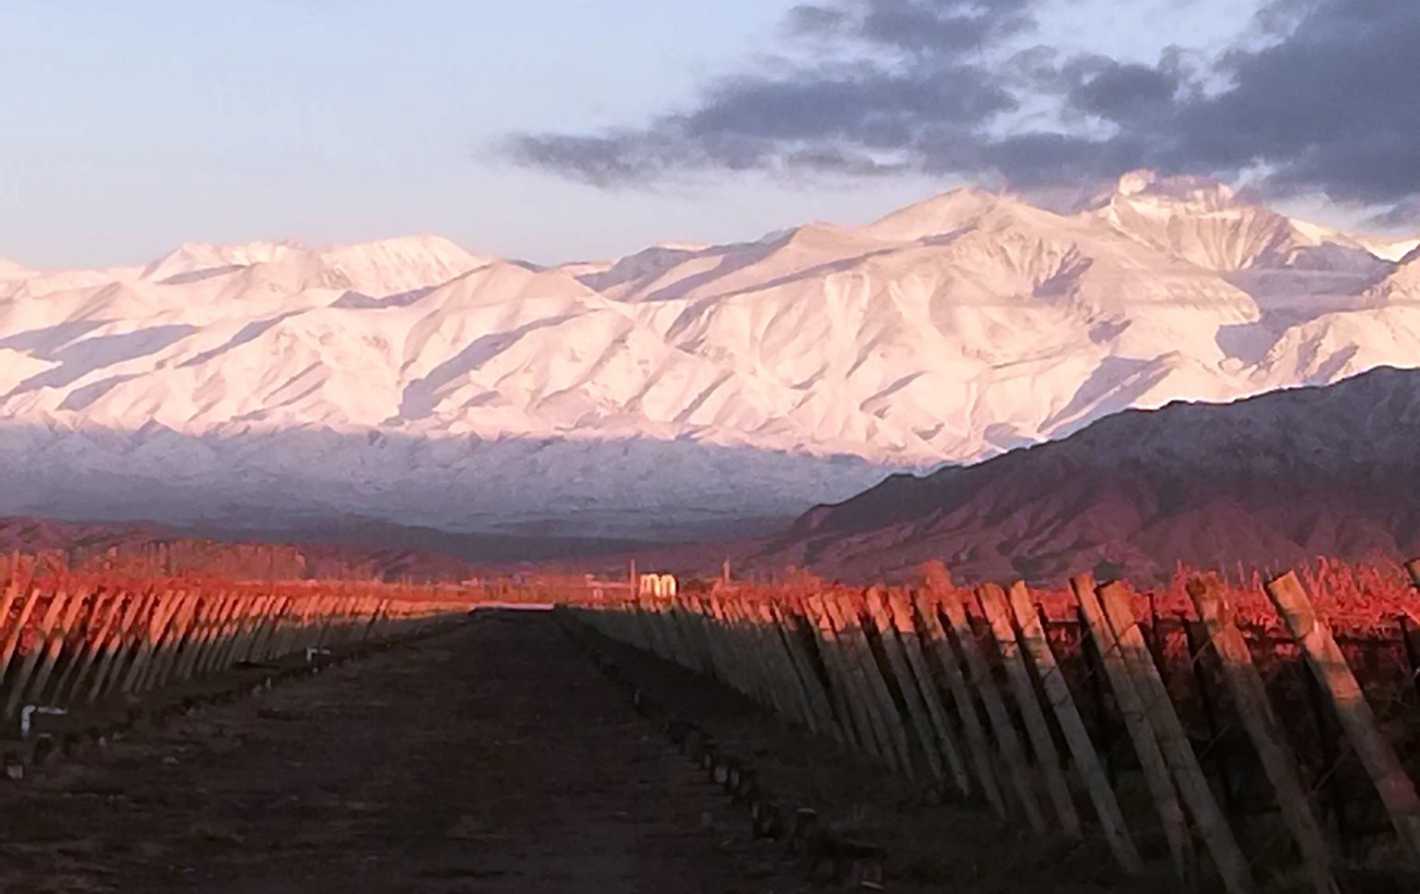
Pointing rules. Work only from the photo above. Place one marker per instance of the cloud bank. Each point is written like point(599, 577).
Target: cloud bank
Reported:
point(1318, 99)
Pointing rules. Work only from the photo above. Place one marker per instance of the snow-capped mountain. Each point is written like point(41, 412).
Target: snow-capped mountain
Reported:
point(681, 387)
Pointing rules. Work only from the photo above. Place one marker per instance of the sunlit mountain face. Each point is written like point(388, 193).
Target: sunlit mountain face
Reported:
point(680, 390)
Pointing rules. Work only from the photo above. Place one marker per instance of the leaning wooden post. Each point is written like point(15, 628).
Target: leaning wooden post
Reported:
point(177, 634)
point(186, 661)
point(880, 704)
point(844, 687)
point(1396, 789)
point(113, 643)
point(1062, 702)
point(836, 689)
point(32, 659)
point(7, 602)
point(787, 671)
point(100, 623)
point(819, 703)
point(855, 690)
point(1264, 728)
point(993, 603)
point(911, 641)
point(152, 637)
point(1141, 734)
point(746, 618)
point(915, 706)
point(52, 649)
point(1173, 740)
point(130, 642)
point(12, 640)
point(1007, 740)
point(976, 741)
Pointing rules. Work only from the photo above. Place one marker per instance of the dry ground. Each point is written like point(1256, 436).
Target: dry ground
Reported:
point(490, 759)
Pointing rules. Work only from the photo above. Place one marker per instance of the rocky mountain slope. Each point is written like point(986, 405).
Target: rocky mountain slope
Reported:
point(672, 393)
point(1271, 481)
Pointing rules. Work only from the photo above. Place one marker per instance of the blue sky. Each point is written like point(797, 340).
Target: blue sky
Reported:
point(129, 128)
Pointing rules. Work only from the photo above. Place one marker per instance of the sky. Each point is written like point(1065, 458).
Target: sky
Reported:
point(586, 129)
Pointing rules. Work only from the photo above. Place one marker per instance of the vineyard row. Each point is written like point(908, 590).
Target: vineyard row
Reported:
point(82, 642)
point(1245, 746)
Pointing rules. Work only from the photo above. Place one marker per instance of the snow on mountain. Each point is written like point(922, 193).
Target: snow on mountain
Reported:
point(681, 387)
point(1390, 249)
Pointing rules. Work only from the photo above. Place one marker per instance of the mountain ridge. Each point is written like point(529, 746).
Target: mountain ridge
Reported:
point(950, 331)
point(1267, 481)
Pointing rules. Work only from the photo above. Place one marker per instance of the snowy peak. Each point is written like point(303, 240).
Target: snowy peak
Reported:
point(1206, 223)
point(946, 213)
point(390, 266)
point(1175, 195)
point(380, 268)
point(197, 257)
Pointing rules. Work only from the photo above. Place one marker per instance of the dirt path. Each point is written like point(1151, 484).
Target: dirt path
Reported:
point(491, 759)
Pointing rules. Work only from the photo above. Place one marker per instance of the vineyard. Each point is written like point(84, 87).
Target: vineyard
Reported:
point(77, 651)
point(1240, 734)
point(1247, 732)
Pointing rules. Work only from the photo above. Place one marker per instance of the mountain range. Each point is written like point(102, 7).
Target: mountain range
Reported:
point(679, 392)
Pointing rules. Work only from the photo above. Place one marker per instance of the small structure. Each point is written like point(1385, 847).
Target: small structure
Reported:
point(657, 585)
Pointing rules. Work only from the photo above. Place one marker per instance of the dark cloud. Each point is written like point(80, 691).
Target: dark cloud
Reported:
point(1321, 98)
point(1124, 92)
point(936, 27)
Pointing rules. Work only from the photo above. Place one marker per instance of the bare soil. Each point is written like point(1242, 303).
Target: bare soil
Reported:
point(494, 758)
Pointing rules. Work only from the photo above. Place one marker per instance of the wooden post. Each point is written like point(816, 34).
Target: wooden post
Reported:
point(739, 663)
point(845, 689)
point(47, 621)
point(1264, 728)
point(1173, 740)
point(1062, 702)
point(7, 602)
point(167, 655)
point(844, 611)
point(855, 690)
point(101, 620)
point(817, 650)
point(976, 741)
point(12, 640)
point(1007, 740)
point(787, 668)
point(911, 641)
point(131, 638)
point(217, 635)
point(113, 642)
point(163, 608)
point(1329, 666)
point(53, 648)
point(993, 603)
point(753, 657)
point(819, 703)
point(185, 662)
point(915, 706)
point(1141, 733)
